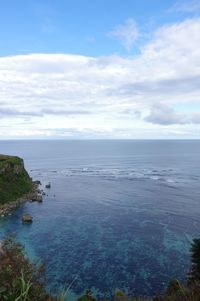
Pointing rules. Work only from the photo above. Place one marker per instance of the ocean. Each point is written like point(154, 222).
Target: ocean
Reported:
point(120, 214)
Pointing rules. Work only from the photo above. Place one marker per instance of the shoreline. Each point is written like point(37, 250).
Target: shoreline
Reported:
point(6, 209)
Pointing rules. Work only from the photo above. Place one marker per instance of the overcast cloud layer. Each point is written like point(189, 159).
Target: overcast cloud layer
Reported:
point(155, 94)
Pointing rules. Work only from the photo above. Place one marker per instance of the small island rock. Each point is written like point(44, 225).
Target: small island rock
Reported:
point(48, 185)
point(27, 218)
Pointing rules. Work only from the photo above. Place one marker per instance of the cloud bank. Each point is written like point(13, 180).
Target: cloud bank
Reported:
point(164, 115)
point(152, 95)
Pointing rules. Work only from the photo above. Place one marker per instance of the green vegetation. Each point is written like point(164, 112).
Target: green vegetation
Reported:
point(87, 297)
point(9, 159)
point(21, 280)
point(14, 180)
point(194, 275)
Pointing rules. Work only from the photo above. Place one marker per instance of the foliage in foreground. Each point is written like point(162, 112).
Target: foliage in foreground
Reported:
point(194, 274)
point(21, 280)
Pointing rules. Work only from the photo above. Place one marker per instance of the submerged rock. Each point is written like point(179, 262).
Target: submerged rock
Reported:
point(27, 218)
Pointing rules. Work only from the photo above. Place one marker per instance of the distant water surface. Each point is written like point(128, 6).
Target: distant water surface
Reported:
point(119, 214)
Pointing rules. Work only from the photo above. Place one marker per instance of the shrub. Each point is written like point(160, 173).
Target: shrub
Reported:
point(20, 280)
point(194, 275)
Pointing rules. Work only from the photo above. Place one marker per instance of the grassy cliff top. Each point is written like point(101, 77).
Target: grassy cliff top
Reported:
point(9, 159)
point(14, 179)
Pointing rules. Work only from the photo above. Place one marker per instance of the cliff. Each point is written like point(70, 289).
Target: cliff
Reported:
point(14, 179)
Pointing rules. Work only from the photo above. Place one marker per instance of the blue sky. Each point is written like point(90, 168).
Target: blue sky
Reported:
point(100, 69)
point(78, 27)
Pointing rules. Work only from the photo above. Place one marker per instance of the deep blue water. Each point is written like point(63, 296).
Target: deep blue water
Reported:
point(119, 214)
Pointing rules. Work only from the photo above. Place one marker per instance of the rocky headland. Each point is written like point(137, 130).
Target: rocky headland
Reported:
point(16, 186)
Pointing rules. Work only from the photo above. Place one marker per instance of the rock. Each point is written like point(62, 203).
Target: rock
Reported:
point(48, 185)
point(14, 179)
point(27, 218)
point(37, 182)
point(39, 198)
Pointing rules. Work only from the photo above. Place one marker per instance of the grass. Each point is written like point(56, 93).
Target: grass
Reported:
point(9, 159)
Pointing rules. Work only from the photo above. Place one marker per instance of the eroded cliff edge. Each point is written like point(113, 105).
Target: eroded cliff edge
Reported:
point(15, 182)
point(16, 186)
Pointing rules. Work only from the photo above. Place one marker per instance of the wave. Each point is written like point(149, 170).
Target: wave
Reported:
point(169, 176)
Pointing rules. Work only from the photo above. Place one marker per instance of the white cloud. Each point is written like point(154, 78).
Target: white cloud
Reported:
point(165, 115)
point(126, 33)
point(54, 94)
point(186, 6)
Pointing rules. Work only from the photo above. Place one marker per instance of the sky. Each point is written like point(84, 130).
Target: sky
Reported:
point(99, 69)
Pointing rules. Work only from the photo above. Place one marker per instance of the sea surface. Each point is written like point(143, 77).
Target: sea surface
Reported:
point(119, 214)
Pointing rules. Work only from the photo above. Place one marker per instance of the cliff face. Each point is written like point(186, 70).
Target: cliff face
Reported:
point(14, 179)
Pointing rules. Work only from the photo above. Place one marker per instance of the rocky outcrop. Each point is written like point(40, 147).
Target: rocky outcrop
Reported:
point(37, 198)
point(48, 185)
point(27, 218)
point(16, 186)
point(14, 179)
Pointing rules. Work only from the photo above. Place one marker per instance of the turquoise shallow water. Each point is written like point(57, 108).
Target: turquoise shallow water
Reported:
point(119, 214)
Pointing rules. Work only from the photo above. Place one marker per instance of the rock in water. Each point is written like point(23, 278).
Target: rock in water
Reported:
point(27, 218)
point(39, 198)
point(48, 185)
